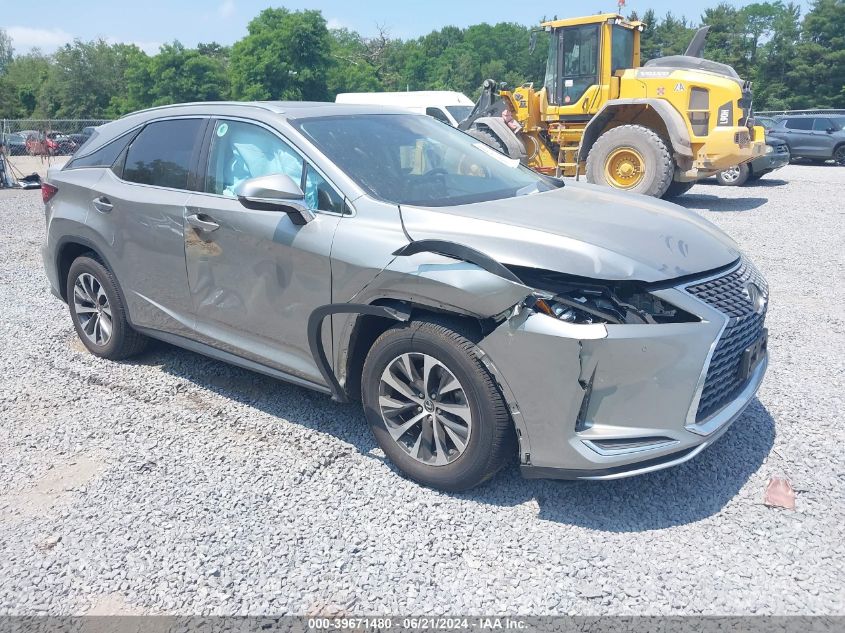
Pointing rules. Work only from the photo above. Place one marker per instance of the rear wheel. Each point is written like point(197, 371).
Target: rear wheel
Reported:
point(677, 189)
point(633, 158)
point(434, 408)
point(98, 313)
point(734, 176)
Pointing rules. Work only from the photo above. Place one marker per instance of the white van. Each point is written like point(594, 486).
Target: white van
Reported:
point(443, 105)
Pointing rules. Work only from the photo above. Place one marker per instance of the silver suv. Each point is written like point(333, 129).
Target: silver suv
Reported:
point(477, 309)
point(817, 137)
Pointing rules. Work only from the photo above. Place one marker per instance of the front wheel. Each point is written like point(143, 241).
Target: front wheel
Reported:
point(733, 176)
point(633, 158)
point(434, 408)
point(839, 155)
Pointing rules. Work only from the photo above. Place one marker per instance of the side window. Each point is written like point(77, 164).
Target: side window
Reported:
point(822, 125)
point(621, 49)
point(319, 194)
point(161, 154)
point(103, 157)
point(800, 124)
point(438, 114)
point(240, 151)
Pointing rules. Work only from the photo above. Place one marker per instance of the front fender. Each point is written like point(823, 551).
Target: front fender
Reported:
point(672, 119)
point(424, 280)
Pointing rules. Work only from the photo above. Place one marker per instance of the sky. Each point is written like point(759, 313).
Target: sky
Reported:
point(149, 23)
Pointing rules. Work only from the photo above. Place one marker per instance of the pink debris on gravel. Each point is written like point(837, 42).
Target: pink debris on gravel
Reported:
point(779, 494)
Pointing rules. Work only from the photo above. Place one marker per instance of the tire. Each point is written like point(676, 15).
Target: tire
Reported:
point(426, 451)
point(488, 138)
point(839, 155)
point(677, 189)
point(122, 341)
point(734, 176)
point(657, 169)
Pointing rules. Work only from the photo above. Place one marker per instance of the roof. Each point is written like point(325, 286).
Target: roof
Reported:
point(289, 109)
point(590, 19)
point(258, 109)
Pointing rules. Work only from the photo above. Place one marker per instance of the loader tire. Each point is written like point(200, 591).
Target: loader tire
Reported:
point(488, 138)
point(677, 189)
point(631, 158)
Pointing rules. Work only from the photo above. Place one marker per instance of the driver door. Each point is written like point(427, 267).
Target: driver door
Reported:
point(255, 276)
point(577, 69)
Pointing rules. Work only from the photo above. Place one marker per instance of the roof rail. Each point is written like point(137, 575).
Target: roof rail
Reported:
point(256, 104)
point(793, 112)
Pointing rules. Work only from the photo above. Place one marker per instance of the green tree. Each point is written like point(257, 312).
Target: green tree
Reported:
point(6, 50)
point(84, 78)
point(817, 76)
point(25, 75)
point(284, 56)
point(354, 66)
point(726, 41)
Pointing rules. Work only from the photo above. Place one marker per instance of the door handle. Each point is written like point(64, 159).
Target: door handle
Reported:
point(102, 204)
point(202, 222)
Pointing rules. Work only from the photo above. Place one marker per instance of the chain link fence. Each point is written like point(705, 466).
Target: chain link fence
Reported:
point(45, 137)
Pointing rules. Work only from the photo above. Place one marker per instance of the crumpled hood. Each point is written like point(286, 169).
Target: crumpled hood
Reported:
point(582, 230)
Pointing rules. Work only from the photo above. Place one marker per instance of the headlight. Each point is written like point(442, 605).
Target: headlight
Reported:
point(589, 306)
point(578, 300)
point(770, 149)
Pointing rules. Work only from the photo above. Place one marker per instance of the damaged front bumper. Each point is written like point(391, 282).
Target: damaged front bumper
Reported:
point(610, 401)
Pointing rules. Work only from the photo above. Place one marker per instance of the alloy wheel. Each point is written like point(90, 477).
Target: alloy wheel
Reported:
point(425, 409)
point(839, 156)
point(92, 308)
point(731, 174)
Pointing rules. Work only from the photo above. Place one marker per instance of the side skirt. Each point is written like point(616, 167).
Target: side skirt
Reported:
point(232, 359)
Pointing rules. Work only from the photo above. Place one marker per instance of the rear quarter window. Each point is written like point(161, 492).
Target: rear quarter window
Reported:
point(162, 153)
point(103, 157)
point(799, 124)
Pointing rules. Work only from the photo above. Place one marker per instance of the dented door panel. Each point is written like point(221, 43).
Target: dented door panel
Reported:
point(256, 279)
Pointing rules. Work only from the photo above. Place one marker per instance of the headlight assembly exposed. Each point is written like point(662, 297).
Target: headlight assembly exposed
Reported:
point(587, 301)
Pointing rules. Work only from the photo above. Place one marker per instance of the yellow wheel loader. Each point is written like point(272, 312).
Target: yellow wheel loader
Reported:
point(654, 129)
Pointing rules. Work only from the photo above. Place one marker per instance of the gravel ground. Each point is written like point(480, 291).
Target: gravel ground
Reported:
point(178, 484)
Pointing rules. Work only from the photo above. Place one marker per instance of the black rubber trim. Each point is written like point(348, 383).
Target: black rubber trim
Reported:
point(459, 251)
point(315, 340)
point(547, 472)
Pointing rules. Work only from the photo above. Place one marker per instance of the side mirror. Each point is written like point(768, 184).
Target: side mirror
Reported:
point(276, 192)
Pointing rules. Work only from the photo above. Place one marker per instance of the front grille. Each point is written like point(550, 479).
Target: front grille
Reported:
point(729, 294)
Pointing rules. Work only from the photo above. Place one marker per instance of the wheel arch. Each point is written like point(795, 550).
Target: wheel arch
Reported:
point(652, 113)
point(71, 247)
point(366, 328)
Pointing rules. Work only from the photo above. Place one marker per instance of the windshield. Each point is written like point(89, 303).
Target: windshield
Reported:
point(413, 159)
point(460, 112)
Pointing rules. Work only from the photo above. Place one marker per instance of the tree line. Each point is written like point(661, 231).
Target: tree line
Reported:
point(795, 61)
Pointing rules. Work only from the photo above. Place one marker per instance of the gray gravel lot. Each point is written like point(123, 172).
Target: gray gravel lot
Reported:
point(178, 484)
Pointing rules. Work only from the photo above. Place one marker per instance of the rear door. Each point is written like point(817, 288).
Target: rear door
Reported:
point(139, 207)
point(822, 140)
point(255, 276)
point(799, 131)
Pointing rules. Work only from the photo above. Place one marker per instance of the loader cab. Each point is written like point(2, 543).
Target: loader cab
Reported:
point(584, 56)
